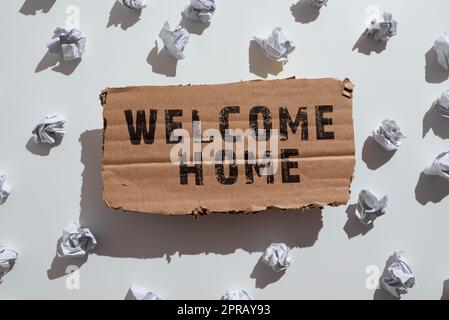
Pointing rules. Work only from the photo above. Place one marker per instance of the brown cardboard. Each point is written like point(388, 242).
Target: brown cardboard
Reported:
point(141, 177)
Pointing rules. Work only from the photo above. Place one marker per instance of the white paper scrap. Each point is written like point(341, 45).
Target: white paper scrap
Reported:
point(369, 207)
point(49, 128)
point(77, 241)
point(69, 43)
point(389, 135)
point(276, 46)
point(141, 293)
point(200, 10)
point(236, 295)
point(382, 29)
point(5, 188)
point(174, 41)
point(277, 256)
point(400, 278)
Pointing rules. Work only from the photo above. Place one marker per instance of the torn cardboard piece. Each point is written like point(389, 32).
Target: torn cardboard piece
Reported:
point(295, 148)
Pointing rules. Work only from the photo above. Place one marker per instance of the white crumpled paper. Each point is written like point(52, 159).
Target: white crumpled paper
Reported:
point(200, 10)
point(141, 293)
point(318, 3)
point(369, 207)
point(70, 44)
point(5, 188)
point(76, 241)
point(49, 128)
point(400, 277)
point(174, 41)
point(276, 46)
point(133, 4)
point(277, 256)
point(382, 29)
point(439, 167)
point(8, 257)
point(441, 106)
point(441, 47)
point(236, 295)
point(389, 135)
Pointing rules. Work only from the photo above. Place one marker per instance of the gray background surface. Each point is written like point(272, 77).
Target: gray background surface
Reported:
point(178, 257)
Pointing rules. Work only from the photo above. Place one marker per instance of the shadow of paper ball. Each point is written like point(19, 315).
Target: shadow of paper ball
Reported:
point(31, 7)
point(193, 27)
point(353, 226)
point(438, 124)
point(62, 266)
point(434, 72)
point(431, 189)
point(264, 275)
point(304, 12)
point(374, 155)
point(259, 64)
point(41, 149)
point(57, 64)
point(162, 62)
point(367, 45)
point(123, 16)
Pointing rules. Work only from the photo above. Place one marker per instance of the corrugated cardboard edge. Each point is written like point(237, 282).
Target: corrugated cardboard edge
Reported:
point(348, 90)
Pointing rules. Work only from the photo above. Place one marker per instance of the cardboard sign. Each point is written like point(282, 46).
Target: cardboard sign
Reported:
point(239, 147)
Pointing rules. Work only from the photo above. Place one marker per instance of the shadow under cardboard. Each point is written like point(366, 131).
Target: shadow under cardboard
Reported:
point(259, 64)
point(53, 60)
point(438, 124)
point(431, 189)
point(41, 149)
point(434, 72)
point(31, 7)
point(304, 12)
point(162, 62)
point(367, 45)
point(374, 155)
point(122, 234)
point(381, 293)
point(264, 275)
point(123, 16)
point(353, 227)
point(193, 27)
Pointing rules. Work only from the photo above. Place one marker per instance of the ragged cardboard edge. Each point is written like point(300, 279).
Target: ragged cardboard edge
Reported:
point(203, 211)
point(348, 89)
point(348, 86)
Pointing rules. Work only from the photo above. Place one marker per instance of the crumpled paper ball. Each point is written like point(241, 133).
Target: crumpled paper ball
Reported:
point(389, 135)
point(369, 207)
point(276, 46)
point(383, 29)
point(441, 47)
point(5, 188)
point(49, 128)
point(141, 293)
point(400, 278)
point(76, 241)
point(174, 41)
point(133, 4)
point(8, 257)
point(69, 43)
point(441, 106)
point(200, 10)
point(236, 295)
point(277, 256)
point(318, 3)
point(439, 167)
